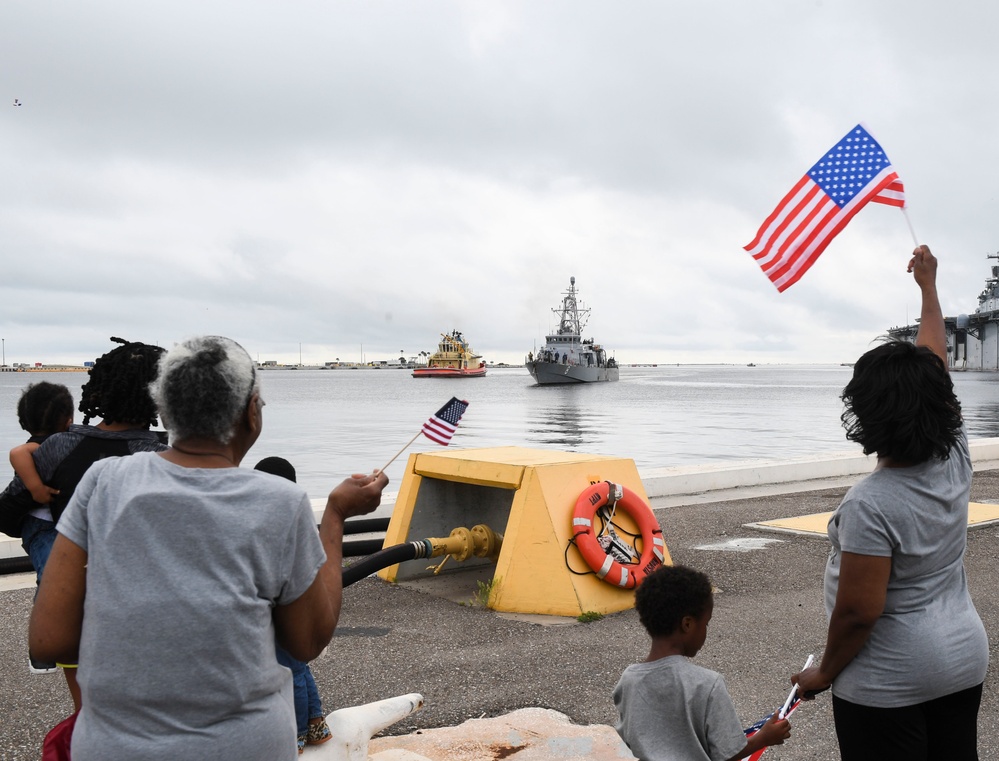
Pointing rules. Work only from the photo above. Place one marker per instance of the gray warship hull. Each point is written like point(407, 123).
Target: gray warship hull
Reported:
point(567, 357)
point(551, 373)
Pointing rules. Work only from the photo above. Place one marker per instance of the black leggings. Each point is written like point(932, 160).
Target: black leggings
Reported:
point(943, 728)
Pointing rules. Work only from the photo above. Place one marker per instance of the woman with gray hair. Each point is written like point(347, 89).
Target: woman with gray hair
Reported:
point(174, 573)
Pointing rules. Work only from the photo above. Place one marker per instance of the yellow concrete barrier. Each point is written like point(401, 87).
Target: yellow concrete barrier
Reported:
point(528, 496)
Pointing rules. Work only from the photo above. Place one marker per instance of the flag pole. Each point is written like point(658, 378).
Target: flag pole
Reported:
point(794, 690)
point(909, 223)
point(382, 470)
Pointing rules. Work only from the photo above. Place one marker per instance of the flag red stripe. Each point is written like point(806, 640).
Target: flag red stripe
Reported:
point(814, 235)
point(815, 244)
point(776, 212)
point(808, 223)
point(813, 250)
point(812, 199)
point(441, 429)
point(893, 195)
point(433, 436)
point(438, 430)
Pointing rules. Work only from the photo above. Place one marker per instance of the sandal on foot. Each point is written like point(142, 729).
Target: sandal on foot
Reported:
point(301, 744)
point(318, 733)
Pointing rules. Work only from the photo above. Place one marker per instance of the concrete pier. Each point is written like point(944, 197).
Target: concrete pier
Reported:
point(476, 668)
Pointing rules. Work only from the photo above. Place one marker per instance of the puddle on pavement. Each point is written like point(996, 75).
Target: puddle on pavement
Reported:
point(741, 544)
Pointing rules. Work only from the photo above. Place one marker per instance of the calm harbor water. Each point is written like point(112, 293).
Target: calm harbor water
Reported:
point(331, 423)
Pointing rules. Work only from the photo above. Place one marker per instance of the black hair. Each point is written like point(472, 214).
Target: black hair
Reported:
point(118, 388)
point(44, 408)
point(668, 594)
point(277, 466)
point(901, 404)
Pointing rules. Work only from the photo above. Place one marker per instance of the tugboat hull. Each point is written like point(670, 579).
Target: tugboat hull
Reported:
point(445, 372)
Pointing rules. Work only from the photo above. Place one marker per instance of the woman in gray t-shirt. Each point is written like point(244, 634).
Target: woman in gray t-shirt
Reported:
point(906, 651)
point(174, 574)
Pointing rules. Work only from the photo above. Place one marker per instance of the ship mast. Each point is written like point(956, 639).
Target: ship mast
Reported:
point(572, 318)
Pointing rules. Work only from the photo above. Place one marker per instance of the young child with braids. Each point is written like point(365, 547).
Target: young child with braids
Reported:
point(117, 392)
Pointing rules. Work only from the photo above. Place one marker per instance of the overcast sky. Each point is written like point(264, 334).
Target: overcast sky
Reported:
point(361, 176)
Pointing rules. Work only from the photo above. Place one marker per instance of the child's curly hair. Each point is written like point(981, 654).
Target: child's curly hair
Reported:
point(44, 408)
point(669, 594)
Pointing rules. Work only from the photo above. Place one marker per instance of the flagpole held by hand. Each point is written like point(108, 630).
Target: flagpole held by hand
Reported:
point(794, 690)
point(440, 427)
point(396, 455)
point(909, 223)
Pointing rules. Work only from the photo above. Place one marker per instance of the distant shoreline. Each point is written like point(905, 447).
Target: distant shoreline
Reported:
point(497, 366)
point(45, 369)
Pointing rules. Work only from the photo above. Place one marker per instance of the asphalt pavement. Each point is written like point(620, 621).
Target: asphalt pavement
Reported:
point(471, 662)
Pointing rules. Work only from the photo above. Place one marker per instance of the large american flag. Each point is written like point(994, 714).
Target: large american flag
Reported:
point(443, 423)
point(854, 172)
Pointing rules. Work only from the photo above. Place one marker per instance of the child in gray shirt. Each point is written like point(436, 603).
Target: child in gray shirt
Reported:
point(671, 709)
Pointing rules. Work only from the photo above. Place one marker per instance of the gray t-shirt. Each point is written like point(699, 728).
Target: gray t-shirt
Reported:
point(674, 710)
point(929, 641)
point(184, 568)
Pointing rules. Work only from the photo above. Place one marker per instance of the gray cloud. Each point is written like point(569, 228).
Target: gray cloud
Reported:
point(373, 173)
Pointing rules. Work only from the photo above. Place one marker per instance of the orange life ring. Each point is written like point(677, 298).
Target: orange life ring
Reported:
point(601, 558)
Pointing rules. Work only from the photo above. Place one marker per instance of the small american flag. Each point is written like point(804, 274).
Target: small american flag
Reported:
point(854, 172)
point(442, 425)
point(789, 707)
point(750, 731)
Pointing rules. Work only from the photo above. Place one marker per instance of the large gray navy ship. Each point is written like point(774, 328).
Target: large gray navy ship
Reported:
point(567, 357)
point(972, 339)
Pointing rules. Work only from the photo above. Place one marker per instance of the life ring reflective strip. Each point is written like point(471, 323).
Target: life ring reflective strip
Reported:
point(606, 567)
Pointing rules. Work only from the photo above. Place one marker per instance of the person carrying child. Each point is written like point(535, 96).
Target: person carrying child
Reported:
point(117, 392)
point(671, 709)
point(309, 717)
point(43, 409)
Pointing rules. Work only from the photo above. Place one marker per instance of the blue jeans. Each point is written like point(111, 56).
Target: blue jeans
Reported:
point(37, 538)
point(307, 702)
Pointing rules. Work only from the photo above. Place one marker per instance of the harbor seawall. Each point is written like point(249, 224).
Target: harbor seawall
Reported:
point(717, 482)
